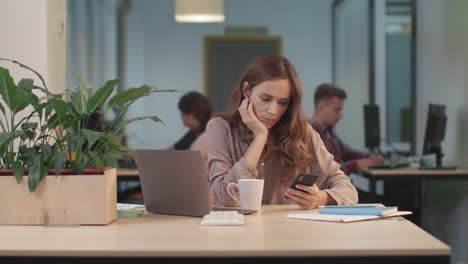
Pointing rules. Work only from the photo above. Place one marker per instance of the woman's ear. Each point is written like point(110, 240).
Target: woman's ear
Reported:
point(246, 89)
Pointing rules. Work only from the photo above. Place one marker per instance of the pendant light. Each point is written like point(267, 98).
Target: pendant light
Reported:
point(199, 11)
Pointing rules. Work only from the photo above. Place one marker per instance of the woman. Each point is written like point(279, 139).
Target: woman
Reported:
point(195, 111)
point(266, 135)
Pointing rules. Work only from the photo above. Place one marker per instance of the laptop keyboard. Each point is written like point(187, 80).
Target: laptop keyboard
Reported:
point(394, 161)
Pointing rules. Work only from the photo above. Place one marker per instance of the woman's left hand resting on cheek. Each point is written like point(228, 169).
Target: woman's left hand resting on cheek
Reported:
point(310, 197)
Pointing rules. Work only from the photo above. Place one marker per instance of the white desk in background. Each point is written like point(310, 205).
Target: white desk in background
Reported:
point(267, 237)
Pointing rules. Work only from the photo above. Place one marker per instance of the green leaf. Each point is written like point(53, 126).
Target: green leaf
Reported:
point(18, 170)
point(29, 125)
point(34, 175)
point(76, 143)
point(6, 85)
point(91, 136)
point(83, 95)
point(154, 118)
point(59, 159)
point(2, 108)
point(128, 150)
point(21, 98)
point(15, 97)
point(109, 159)
point(76, 102)
point(46, 150)
point(4, 137)
point(102, 94)
point(4, 129)
point(96, 157)
point(44, 172)
point(48, 109)
point(129, 95)
point(59, 106)
point(36, 104)
point(28, 155)
point(42, 89)
point(26, 84)
point(7, 138)
point(28, 135)
point(165, 91)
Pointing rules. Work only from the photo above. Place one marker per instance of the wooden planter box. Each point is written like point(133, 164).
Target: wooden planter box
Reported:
point(63, 200)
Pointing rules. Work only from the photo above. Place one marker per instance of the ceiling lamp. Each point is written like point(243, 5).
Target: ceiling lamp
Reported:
point(199, 11)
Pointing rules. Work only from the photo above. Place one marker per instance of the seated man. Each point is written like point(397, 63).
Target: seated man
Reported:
point(328, 100)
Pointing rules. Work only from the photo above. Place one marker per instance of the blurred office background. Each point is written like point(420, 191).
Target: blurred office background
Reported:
point(399, 54)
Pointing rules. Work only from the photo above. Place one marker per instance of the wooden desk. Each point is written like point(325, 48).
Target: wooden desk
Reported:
point(413, 174)
point(267, 237)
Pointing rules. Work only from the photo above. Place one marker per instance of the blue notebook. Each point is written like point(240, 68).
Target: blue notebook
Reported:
point(358, 210)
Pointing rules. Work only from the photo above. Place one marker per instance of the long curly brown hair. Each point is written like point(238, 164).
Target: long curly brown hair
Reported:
point(290, 135)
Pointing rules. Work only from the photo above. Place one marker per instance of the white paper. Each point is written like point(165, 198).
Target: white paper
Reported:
point(342, 218)
point(122, 206)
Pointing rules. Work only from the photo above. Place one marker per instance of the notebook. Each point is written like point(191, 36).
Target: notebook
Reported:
point(358, 210)
point(175, 182)
point(342, 218)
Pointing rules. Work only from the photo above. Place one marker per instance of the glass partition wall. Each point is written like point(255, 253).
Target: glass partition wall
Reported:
point(392, 37)
point(373, 60)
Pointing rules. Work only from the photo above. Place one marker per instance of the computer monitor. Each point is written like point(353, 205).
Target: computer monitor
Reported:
point(372, 127)
point(434, 135)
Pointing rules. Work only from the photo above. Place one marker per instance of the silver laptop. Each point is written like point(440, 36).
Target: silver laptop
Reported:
point(175, 182)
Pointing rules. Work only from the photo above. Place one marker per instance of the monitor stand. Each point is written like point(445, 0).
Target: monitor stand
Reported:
point(438, 166)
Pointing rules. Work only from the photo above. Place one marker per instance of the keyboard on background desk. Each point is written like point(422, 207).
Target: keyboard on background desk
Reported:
point(394, 162)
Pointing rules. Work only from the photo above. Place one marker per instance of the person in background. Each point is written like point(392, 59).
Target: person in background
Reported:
point(329, 100)
point(195, 110)
point(265, 135)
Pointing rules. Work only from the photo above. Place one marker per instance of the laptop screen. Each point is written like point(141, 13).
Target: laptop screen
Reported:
point(174, 182)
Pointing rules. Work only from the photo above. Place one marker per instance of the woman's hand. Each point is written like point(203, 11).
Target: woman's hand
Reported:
point(249, 118)
point(310, 197)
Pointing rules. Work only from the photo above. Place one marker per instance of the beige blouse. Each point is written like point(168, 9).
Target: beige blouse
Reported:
point(201, 144)
point(226, 164)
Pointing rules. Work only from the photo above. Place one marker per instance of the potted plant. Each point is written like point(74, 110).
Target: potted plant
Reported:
point(43, 138)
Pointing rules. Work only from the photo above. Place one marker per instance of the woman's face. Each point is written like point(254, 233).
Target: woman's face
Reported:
point(270, 100)
point(191, 121)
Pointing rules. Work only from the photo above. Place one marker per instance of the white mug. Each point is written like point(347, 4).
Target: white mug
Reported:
point(250, 192)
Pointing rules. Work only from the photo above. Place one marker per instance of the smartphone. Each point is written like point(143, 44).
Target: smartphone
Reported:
point(304, 179)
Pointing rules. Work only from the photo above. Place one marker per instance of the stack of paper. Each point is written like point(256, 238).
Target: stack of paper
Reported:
point(350, 213)
point(130, 210)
